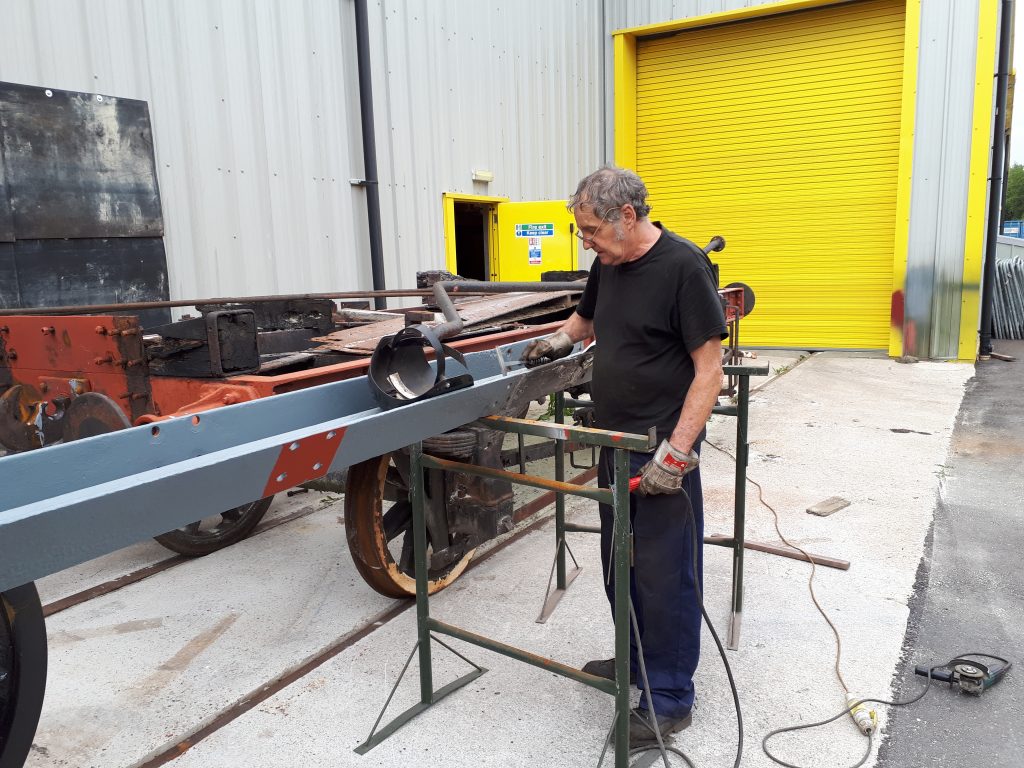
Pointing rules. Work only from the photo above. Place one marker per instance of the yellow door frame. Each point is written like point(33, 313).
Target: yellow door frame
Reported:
point(977, 185)
point(448, 200)
point(624, 52)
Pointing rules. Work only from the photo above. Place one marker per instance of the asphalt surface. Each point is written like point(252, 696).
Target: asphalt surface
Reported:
point(969, 595)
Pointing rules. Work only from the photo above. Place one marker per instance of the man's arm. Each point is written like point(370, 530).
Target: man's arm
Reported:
point(577, 327)
point(702, 396)
point(558, 344)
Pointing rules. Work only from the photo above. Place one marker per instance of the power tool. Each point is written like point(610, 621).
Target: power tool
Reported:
point(967, 673)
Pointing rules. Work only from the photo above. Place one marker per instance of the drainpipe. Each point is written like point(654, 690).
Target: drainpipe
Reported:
point(369, 182)
point(996, 182)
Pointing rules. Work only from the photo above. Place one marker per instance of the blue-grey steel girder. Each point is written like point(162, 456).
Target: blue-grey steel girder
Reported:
point(66, 504)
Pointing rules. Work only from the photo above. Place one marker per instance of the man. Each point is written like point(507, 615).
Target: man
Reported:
point(652, 304)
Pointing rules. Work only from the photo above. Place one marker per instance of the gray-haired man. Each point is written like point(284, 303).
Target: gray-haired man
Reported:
point(652, 304)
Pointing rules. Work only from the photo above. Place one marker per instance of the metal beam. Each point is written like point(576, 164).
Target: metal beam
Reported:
point(66, 504)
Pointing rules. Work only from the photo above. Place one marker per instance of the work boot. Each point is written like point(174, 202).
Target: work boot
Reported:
point(606, 668)
point(642, 734)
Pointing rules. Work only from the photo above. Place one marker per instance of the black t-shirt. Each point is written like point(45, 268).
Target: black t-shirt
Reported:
point(648, 315)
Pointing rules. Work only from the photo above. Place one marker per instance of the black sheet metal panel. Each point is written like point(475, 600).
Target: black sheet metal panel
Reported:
point(55, 273)
point(6, 217)
point(78, 164)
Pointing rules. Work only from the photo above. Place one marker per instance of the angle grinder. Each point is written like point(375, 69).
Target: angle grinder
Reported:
point(967, 673)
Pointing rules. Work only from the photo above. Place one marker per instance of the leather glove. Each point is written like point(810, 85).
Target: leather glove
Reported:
point(664, 473)
point(552, 347)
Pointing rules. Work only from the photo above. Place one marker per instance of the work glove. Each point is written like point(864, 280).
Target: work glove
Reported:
point(552, 347)
point(664, 473)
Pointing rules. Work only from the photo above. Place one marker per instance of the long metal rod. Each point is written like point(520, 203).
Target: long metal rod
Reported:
point(622, 542)
point(602, 495)
point(586, 435)
point(740, 511)
point(721, 540)
point(607, 686)
point(996, 182)
point(559, 496)
point(419, 544)
point(370, 181)
point(131, 306)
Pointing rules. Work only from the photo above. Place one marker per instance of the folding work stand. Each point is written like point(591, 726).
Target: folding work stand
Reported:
point(617, 497)
point(736, 542)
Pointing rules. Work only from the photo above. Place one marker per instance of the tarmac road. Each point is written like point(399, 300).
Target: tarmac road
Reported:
point(969, 594)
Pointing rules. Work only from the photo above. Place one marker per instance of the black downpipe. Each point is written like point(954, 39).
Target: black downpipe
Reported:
point(370, 182)
point(996, 182)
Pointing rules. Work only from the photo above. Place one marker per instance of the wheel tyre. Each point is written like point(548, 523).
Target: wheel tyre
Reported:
point(193, 542)
point(368, 542)
point(22, 672)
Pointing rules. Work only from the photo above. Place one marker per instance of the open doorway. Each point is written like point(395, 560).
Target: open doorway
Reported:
point(472, 239)
point(470, 235)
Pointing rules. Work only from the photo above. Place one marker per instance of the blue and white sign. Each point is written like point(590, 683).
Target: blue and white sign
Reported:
point(535, 230)
point(534, 243)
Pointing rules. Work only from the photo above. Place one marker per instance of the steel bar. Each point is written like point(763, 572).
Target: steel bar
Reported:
point(574, 528)
point(740, 511)
point(510, 651)
point(376, 737)
point(552, 599)
point(546, 499)
point(560, 583)
point(419, 544)
point(721, 540)
point(572, 402)
point(602, 495)
point(586, 435)
point(622, 547)
point(86, 309)
point(191, 467)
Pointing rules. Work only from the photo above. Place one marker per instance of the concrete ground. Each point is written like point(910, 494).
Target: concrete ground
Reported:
point(143, 669)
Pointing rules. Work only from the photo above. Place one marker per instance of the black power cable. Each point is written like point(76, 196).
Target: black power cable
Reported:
point(653, 725)
point(870, 738)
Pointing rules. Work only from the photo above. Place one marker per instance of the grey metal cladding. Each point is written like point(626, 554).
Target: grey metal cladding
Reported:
point(941, 172)
point(78, 164)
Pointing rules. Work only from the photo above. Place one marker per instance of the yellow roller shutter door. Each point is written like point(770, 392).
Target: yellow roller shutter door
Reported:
point(782, 134)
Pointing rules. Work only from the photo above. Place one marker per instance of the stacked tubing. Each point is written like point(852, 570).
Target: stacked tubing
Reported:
point(1008, 304)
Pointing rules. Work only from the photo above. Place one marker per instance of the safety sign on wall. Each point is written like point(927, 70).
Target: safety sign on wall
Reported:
point(534, 233)
point(535, 230)
point(534, 243)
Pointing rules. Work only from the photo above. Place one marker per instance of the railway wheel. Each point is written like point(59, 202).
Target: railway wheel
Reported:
point(22, 672)
point(93, 414)
point(378, 524)
point(205, 536)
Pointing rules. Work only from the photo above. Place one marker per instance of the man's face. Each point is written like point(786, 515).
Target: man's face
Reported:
point(606, 238)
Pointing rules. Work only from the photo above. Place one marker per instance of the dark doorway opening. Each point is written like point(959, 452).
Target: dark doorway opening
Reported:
point(472, 240)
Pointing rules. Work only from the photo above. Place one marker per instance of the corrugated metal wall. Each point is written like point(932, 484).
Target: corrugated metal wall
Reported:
point(938, 203)
point(512, 87)
point(255, 114)
point(256, 120)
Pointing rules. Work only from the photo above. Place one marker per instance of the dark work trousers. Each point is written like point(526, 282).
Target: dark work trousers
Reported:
point(661, 583)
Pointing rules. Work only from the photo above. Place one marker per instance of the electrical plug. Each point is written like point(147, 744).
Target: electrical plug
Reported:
point(865, 717)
